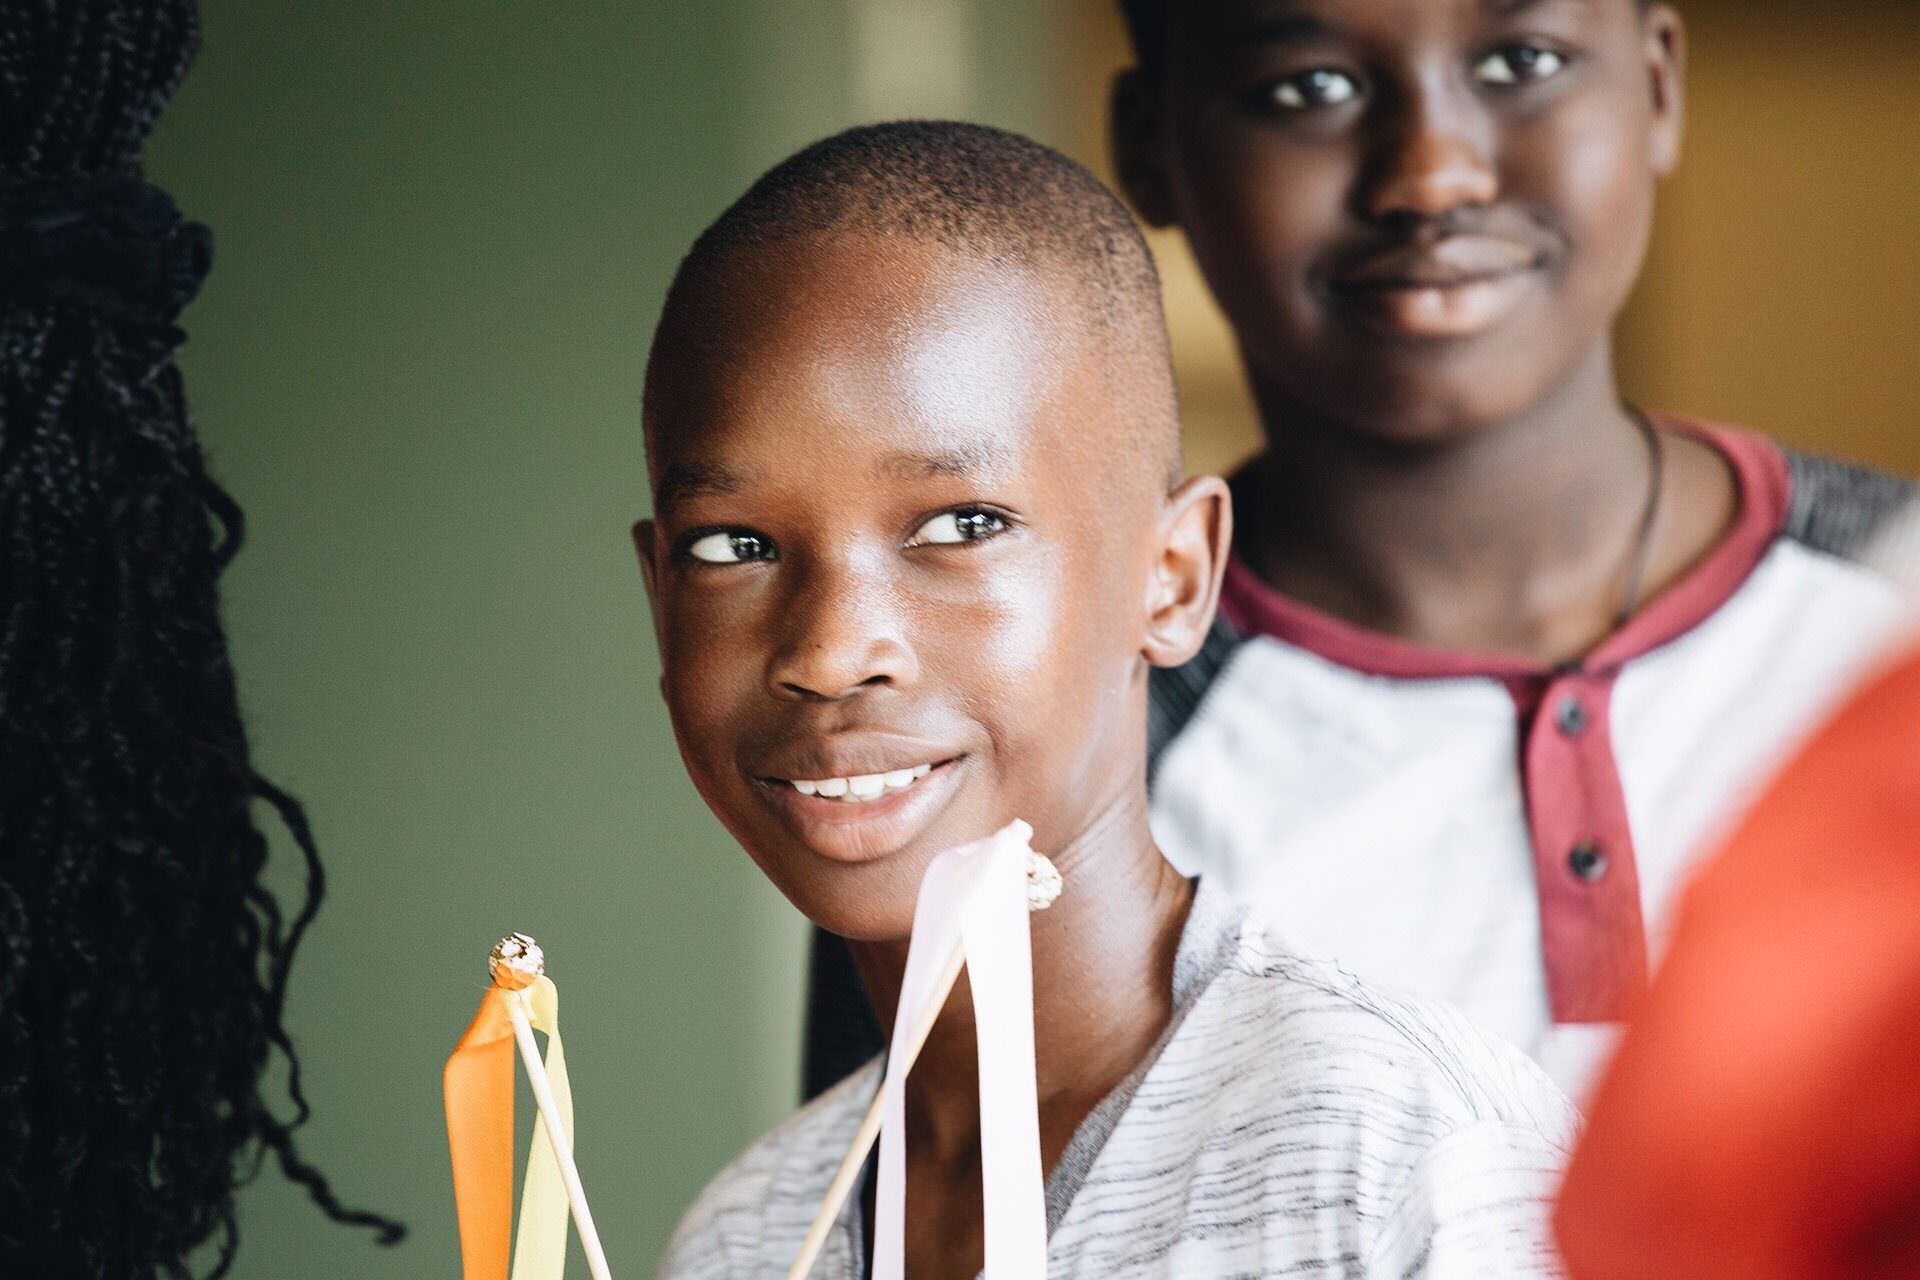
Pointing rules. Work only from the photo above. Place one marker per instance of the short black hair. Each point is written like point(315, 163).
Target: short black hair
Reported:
point(1147, 30)
point(968, 186)
point(981, 191)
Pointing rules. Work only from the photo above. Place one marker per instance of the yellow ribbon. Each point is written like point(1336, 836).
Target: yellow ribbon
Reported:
point(479, 1095)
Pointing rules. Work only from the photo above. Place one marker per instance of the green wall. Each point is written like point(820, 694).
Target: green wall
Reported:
point(442, 232)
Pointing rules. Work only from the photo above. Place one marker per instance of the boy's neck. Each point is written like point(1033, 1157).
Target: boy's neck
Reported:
point(1103, 958)
point(1517, 539)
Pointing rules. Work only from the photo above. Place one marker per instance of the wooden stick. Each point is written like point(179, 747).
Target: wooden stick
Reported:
point(556, 1134)
point(856, 1157)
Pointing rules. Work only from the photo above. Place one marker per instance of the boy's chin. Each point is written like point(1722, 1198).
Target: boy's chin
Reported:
point(1433, 403)
point(867, 912)
point(866, 901)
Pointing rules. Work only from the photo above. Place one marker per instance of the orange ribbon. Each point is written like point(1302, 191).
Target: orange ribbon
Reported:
point(479, 1093)
point(479, 1089)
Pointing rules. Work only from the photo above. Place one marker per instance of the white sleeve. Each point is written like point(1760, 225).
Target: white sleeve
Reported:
point(1476, 1206)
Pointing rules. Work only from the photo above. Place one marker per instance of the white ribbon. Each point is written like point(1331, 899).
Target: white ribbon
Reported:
point(540, 1240)
point(975, 895)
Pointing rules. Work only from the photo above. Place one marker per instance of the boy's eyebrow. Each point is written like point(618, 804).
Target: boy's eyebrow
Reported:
point(1302, 27)
point(965, 460)
point(1508, 8)
point(1283, 24)
point(684, 480)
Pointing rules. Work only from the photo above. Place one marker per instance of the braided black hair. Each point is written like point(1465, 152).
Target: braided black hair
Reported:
point(143, 963)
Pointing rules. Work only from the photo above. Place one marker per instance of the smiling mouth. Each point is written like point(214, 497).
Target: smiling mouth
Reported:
point(859, 787)
point(1451, 262)
point(1437, 280)
point(857, 817)
point(1439, 297)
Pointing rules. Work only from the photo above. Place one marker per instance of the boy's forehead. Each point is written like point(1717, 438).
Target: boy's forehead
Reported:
point(1285, 21)
point(888, 346)
point(885, 301)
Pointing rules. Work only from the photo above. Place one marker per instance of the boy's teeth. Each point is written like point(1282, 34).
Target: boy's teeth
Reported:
point(863, 786)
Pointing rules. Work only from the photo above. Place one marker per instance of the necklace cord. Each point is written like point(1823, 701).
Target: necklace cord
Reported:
point(1643, 538)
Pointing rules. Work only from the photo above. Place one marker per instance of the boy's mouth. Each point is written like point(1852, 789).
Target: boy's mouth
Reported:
point(856, 817)
point(1452, 260)
point(1450, 288)
point(860, 787)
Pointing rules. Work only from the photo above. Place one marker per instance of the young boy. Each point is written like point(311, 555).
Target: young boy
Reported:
point(918, 539)
point(1502, 651)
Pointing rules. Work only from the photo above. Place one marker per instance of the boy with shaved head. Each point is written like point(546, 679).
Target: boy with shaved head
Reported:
point(917, 543)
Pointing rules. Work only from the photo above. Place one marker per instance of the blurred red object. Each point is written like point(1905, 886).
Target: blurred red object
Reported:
point(1762, 1119)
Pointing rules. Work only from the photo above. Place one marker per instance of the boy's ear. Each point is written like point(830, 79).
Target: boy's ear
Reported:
point(1133, 136)
point(1664, 34)
point(1196, 532)
point(643, 536)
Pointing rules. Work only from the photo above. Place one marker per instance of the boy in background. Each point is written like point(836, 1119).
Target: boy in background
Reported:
point(918, 540)
point(1501, 651)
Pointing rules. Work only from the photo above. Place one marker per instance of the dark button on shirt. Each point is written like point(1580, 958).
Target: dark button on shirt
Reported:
point(1571, 715)
point(1588, 861)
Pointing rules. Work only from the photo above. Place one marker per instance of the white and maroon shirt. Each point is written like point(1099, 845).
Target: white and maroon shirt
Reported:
point(1502, 835)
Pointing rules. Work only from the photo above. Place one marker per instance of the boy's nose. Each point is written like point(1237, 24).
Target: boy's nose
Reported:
point(839, 637)
point(1428, 167)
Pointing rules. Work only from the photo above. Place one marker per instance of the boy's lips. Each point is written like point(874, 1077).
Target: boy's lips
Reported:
point(872, 815)
point(1449, 288)
point(846, 752)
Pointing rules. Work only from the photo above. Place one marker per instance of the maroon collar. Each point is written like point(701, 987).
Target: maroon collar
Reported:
point(1764, 488)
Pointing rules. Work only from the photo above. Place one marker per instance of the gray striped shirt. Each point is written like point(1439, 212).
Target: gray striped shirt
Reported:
point(1290, 1122)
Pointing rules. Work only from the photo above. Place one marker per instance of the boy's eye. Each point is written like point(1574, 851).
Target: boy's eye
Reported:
point(1519, 64)
point(1321, 87)
point(730, 547)
point(950, 527)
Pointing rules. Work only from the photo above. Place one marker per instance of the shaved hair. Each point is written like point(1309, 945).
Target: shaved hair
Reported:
point(981, 192)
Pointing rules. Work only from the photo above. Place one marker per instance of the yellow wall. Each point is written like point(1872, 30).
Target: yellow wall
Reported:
point(1784, 287)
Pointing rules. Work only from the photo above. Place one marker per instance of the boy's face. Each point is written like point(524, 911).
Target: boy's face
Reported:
point(900, 548)
point(1421, 216)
